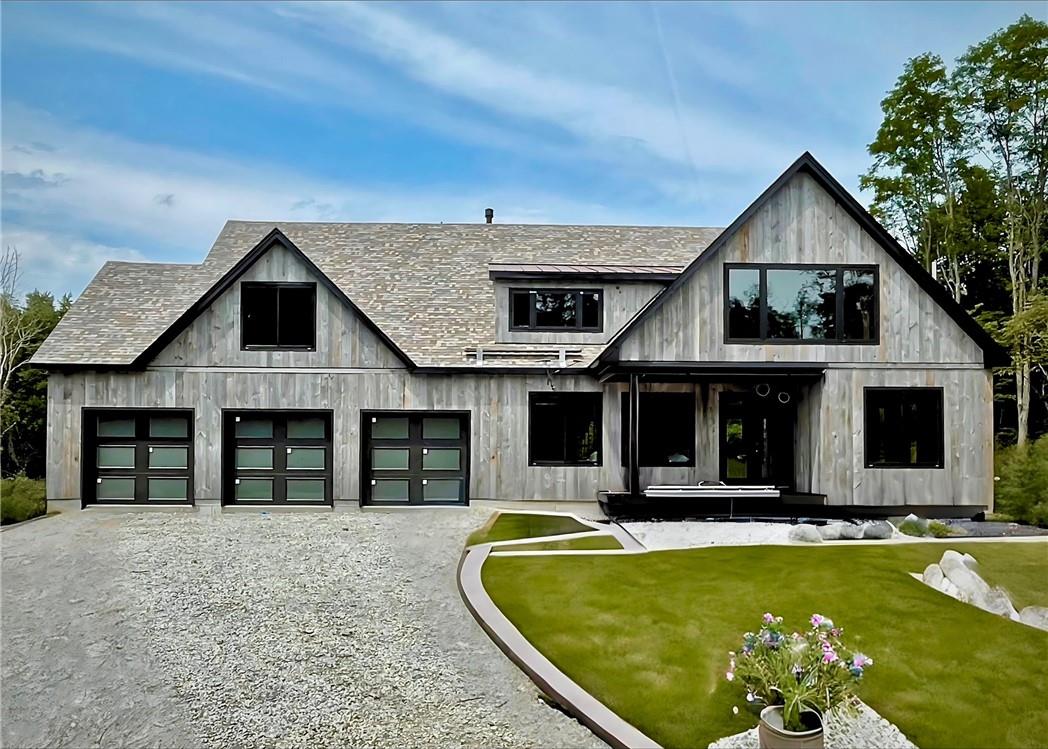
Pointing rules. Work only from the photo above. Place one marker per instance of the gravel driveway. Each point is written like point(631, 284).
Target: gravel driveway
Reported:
point(283, 630)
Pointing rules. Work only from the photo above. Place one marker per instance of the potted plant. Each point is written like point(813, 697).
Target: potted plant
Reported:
point(798, 678)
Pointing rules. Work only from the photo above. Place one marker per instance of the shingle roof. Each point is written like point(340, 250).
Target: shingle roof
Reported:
point(425, 285)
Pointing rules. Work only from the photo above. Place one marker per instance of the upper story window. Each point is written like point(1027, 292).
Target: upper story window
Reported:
point(278, 315)
point(555, 309)
point(564, 429)
point(801, 303)
point(904, 427)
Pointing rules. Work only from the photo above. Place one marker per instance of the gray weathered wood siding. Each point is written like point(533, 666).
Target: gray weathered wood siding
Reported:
point(621, 302)
point(213, 339)
point(498, 405)
point(801, 224)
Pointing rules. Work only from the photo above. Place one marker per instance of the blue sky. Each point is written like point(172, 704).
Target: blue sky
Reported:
point(133, 131)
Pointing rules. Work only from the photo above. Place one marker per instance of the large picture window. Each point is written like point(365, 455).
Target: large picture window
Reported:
point(278, 315)
point(564, 429)
point(801, 303)
point(555, 309)
point(667, 429)
point(904, 427)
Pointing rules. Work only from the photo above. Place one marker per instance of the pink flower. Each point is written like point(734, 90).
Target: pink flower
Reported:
point(860, 660)
point(768, 618)
point(817, 619)
point(730, 676)
point(829, 656)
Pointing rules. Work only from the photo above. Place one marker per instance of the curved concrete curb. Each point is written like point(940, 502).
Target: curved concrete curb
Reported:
point(551, 680)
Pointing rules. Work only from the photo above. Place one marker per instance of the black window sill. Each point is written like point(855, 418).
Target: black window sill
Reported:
point(557, 330)
point(554, 464)
point(926, 466)
point(278, 348)
point(799, 341)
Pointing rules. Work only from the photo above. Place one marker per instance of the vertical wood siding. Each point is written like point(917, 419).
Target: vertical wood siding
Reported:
point(213, 339)
point(801, 224)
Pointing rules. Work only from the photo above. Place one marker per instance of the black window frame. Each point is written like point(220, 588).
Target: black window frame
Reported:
point(141, 442)
point(839, 338)
point(532, 312)
point(278, 285)
point(649, 396)
point(564, 395)
point(939, 434)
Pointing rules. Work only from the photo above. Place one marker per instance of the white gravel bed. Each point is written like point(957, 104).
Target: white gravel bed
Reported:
point(328, 630)
point(865, 730)
point(687, 535)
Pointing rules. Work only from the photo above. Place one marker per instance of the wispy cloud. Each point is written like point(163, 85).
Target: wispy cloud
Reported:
point(173, 202)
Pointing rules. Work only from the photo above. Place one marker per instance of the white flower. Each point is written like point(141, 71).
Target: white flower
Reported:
point(734, 709)
point(729, 676)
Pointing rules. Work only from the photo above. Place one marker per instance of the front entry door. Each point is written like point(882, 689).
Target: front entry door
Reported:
point(414, 458)
point(756, 438)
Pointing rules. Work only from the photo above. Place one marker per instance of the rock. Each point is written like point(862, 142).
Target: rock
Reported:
point(1035, 616)
point(830, 531)
point(933, 576)
point(850, 531)
point(996, 602)
point(969, 561)
point(805, 534)
point(950, 589)
point(878, 529)
point(971, 586)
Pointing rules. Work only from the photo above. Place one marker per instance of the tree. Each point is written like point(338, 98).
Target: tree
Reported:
point(918, 158)
point(1002, 86)
point(23, 389)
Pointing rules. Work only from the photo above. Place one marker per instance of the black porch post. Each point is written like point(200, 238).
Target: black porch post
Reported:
point(634, 456)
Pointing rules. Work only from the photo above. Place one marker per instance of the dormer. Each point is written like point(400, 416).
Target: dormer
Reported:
point(571, 303)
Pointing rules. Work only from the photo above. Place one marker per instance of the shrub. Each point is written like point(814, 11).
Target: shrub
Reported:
point(21, 499)
point(802, 671)
point(912, 528)
point(939, 530)
point(1021, 482)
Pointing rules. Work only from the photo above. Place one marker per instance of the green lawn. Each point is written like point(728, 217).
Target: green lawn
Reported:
point(587, 543)
point(649, 634)
point(508, 526)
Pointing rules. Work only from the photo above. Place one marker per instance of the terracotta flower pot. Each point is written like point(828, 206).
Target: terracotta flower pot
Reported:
point(771, 733)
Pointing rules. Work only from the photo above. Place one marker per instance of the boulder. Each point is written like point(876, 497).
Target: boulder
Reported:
point(972, 587)
point(878, 529)
point(933, 576)
point(950, 589)
point(830, 531)
point(805, 534)
point(850, 531)
point(969, 561)
point(996, 602)
point(1035, 616)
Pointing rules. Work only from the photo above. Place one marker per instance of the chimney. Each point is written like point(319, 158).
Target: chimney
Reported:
point(489, 215)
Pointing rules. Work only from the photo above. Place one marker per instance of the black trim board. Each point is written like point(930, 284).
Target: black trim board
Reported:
point(519, 275)
point(993, 353)
point(273, 237)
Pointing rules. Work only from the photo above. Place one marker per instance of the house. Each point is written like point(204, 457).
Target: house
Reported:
point(390, 364)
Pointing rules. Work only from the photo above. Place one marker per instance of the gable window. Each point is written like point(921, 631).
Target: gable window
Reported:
point(904, 427)
point(278, 315)
point(800, 303)
point(564, 429)
point(555, 309)
point(667, 429)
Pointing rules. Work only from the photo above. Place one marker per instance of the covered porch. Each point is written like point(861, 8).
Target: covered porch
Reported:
point(700, 439)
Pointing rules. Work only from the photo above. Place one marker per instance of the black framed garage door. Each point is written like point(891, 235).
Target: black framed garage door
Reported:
point(136, 456)
point(414, 458)
point(277, 458)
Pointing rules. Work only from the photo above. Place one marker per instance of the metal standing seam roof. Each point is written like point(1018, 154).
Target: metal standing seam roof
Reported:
point(426, 286)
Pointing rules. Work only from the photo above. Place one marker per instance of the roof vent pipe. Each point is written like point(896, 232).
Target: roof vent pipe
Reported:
point(489, 215)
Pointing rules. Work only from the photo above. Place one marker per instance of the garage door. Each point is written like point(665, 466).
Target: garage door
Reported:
point(415, 458)
point(138, 457)
point(277, 457)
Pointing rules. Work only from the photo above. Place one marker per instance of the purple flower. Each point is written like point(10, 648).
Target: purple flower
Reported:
point(768, 618)
point(859, 660)
point(829, 656)
point(817, 619)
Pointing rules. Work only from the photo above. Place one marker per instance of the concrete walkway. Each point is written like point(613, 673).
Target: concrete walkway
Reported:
point(318, 629)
